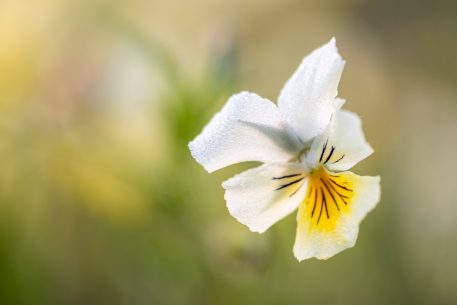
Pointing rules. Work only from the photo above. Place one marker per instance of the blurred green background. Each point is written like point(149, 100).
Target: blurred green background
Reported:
point(101, 202)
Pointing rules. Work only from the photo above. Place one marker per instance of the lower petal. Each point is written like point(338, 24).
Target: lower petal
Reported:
point(261, 196)
point(328, 218)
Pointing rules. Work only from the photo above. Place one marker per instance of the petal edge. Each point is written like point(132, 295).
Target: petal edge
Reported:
point(307, 98)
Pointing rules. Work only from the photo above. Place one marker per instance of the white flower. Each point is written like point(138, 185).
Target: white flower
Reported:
point(307, 144)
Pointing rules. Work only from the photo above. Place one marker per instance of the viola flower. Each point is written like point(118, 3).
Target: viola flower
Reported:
point(307, 144)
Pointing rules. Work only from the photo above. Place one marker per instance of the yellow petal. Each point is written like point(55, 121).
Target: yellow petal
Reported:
point(330, 214)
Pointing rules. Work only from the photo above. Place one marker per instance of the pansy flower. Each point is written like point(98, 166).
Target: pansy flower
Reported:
point(307, 144)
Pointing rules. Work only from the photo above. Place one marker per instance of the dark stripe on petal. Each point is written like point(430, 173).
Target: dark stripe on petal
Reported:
point(330, 154)
point(323, 151)
point(287, 176)
point(328, 190)
point(343, 187)
point(341, 158)
point(289, 184)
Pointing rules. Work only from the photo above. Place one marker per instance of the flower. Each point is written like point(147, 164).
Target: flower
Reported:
point(307, 144)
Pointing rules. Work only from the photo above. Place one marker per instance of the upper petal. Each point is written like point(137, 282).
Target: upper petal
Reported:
point(328, 219)
point(342, 145)
point(308, 98)
point(261, 196)
point(248, 128)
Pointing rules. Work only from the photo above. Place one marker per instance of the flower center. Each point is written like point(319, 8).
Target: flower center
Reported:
point(328, 197)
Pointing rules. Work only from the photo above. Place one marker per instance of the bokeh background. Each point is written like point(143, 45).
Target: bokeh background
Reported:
point(101, 202)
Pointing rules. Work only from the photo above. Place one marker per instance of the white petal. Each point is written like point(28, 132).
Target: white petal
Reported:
point(338, 226)
point(248, 128)
point(261, 196)
point(342, 145)
point(307, 100)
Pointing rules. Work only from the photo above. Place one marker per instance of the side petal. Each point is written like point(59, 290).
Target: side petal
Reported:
point(329, 217)
point(342, 145)
point(261, 196)
point(307, 100)
point(248, 128)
